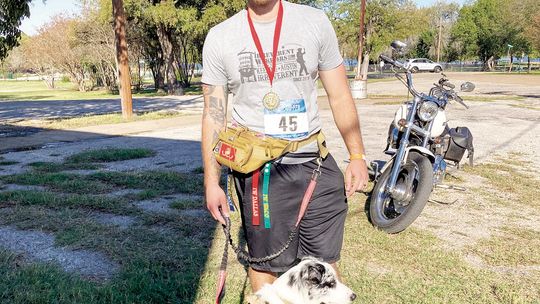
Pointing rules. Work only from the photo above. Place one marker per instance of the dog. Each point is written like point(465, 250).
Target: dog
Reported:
point(310, 282)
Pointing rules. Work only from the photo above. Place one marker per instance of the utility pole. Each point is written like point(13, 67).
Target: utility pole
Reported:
point(439, 38)
point(122, 58)
point(361, 40)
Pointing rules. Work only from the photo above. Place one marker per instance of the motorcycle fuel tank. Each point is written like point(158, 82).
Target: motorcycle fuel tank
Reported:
point(439, 123)
point(401, 113)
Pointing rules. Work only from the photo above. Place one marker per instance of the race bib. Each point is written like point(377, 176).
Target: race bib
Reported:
point(288, 121)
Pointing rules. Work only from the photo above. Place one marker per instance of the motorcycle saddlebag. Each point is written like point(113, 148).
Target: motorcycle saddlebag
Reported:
point(460, 140)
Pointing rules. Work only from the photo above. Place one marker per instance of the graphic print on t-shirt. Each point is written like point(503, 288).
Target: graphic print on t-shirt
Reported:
point(290, 63)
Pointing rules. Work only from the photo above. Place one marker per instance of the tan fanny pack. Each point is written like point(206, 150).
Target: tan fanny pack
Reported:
point(245, 151)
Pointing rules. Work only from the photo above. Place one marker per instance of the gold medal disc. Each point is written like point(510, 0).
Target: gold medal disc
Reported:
point(271, 100)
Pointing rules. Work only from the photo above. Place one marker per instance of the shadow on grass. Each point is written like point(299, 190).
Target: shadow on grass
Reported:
point(28, 108)
point(162, 258)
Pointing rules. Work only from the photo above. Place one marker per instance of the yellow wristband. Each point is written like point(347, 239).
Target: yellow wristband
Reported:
point(357, 156)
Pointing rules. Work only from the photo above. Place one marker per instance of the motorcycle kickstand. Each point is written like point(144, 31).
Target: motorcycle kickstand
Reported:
point(441, 202)
point(451, 187)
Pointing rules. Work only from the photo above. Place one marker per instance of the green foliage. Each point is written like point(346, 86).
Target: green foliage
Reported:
point(485, 28)
point(11, 14)
point(386, 20)
point(425, 42)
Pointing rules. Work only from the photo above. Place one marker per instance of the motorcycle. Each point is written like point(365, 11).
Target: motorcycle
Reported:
point(422, 146)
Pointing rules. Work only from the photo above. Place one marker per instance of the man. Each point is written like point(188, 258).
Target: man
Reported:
point(275, 99)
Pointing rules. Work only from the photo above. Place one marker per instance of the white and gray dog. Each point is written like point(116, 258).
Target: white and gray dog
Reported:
point(310, 282)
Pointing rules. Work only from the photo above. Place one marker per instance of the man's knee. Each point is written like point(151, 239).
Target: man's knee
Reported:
point(258, 278)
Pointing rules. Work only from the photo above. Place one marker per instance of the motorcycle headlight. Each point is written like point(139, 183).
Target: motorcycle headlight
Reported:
point(428, 110)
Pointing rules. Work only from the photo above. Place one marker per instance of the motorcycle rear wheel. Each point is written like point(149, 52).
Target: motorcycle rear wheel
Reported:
point(392, 216)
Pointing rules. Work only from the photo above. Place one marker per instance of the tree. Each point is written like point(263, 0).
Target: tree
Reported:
point(11, 14)
point(426, 41)
point(386, 20)
point(485, 28)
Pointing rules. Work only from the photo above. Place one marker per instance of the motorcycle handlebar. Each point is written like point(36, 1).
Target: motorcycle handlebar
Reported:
point(450, 85)
point(460, 100)
point(390, 60)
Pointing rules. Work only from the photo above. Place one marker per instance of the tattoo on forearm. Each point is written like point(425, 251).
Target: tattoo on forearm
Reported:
point(217, 106)
point(208, 89)
point(216, 110)
point(216, 166)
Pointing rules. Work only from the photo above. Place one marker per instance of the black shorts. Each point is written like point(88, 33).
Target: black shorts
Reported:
point(321, 230)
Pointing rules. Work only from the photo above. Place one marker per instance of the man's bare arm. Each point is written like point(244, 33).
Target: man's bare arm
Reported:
point(213, 120)
point(343, 109)
point(346, 118)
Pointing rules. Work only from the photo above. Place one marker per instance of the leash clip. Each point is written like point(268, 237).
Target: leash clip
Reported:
point(317, 172)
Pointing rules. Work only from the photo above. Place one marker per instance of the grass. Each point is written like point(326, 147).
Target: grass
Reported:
point(156, 268)
point(153, 183)
point(59, 182)
point(95, 120)
point(158, 181)
point(399, 99)
point(8, 163)
point(484, 98)
point(411, 267)
point(506, 177)
point(198, 170)
point(183, 204)
point(174, 258)
point(109, 155)
point(512, 247)
point(55, 201)
point(57, 167)
point(37, 90)
point(525, 106)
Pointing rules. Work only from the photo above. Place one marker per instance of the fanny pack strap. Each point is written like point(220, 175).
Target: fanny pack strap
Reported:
point(293, 146)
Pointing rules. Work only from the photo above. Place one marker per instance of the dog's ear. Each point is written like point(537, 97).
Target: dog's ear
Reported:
point(316, 272)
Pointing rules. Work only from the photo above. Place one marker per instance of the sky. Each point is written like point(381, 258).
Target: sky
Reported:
point(41, 13)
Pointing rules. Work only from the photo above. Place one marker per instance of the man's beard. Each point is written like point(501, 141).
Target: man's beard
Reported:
point(261, 3)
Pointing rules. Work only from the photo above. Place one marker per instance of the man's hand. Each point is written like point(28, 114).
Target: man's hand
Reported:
point(356, 176)
point(216, 203)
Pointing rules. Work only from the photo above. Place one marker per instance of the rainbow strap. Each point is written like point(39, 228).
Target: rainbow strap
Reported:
point(266, 204)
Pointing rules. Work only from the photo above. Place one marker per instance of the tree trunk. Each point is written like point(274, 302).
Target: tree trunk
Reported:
point(166, 45)
point(511, 62)
point(529, 63)
point(488, 64)
point(49, 81)
point(365, 66)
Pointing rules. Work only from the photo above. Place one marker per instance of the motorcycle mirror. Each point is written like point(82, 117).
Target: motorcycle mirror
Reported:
point(398, 45)
point(467, 87)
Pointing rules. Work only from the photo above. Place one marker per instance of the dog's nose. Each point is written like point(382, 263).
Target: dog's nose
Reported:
point(353, 297)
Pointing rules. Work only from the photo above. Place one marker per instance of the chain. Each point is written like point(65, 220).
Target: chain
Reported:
point(244, 255)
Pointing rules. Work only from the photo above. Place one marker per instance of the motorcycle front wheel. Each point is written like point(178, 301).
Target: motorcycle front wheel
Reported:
point(416, 178)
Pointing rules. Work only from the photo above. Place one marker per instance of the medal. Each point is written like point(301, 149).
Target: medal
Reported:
point(271, 99)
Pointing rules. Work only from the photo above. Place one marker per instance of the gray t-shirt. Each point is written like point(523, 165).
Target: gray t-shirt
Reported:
point(307, 44)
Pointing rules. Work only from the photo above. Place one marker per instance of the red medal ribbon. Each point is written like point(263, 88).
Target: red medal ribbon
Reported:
point(277, 33)
point(255, 215)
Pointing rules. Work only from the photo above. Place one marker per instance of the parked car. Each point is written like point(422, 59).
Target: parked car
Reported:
point(423, 64)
